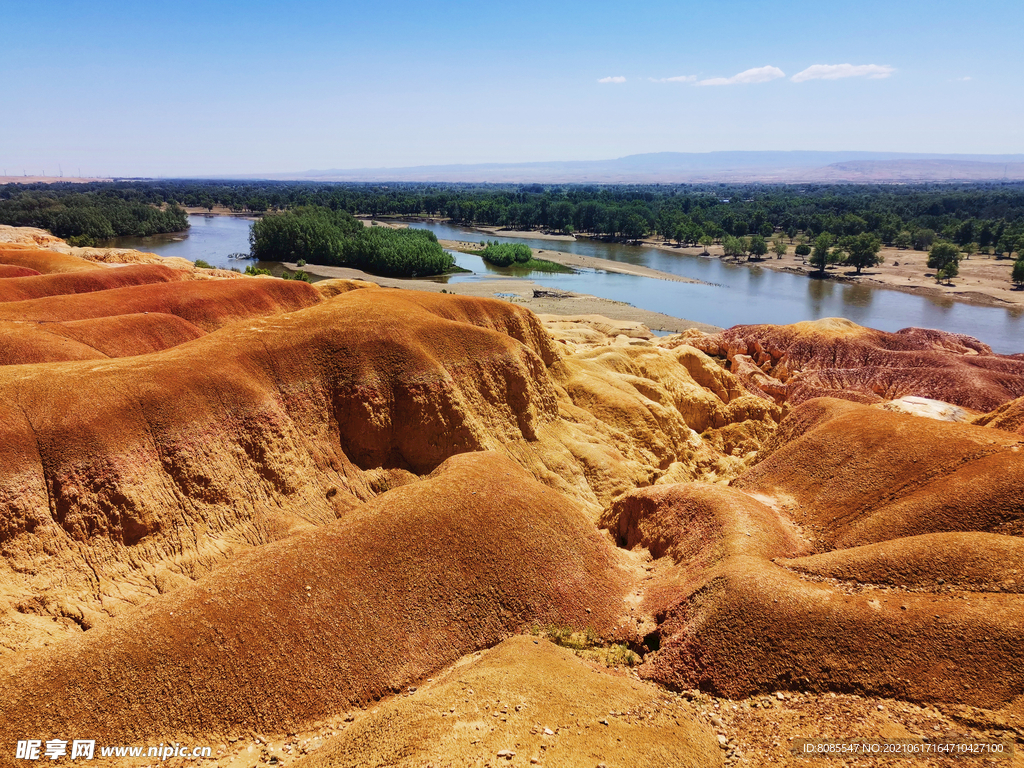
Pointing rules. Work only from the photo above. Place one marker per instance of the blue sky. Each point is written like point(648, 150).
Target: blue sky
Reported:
point(159, 88)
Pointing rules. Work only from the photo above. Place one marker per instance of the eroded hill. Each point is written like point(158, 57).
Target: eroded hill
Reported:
point(305, 499)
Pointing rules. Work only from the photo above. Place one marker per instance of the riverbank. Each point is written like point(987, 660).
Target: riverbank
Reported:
point(537, 298)
point(983, 281)
point(220, 210)
point(576, 261)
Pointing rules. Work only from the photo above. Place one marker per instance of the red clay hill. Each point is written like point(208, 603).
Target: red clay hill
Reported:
point(837, 358)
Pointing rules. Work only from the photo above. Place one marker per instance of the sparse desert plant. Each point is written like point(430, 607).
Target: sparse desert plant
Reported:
point(620, 656)
point(203, 264)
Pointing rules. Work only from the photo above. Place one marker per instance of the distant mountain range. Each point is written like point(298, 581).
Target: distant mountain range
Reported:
point(681, 167)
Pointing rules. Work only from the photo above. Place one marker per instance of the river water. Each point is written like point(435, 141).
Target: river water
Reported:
point(737, 294)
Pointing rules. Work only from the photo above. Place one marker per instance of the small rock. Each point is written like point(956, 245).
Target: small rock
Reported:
point(780, 696)
point(723, 742)
point(548, 732)
point(508, 754)
point(603, 722)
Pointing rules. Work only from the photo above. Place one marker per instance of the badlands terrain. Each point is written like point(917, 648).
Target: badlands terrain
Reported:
point(345, 525)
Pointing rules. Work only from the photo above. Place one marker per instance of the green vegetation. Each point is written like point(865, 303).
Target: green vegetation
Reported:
point(297, 275)
point(320, 235)
point(506, 254)
point(516, 255)
point(803, 250)
point(251, 270)
point(1017, 275)
point(823, 255)
point(758, 247)
point(588, 645)
point(984, 218)
point(203, 264)
point(861, 251)
point(85, 218)
point(944, 258)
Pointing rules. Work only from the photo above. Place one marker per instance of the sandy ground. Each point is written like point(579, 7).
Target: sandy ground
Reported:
point(498, 701)
point(220, 210)
point(983, 281)
point(535, 235)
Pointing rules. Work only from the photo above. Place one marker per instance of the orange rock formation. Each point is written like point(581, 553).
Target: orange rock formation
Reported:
point(230, 505)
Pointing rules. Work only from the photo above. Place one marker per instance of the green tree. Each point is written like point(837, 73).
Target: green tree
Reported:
point(779, 248)
point(822, 255)
point(803, 250)
point(903, 240)
point(944, 258)
point(1017, 275)
point(706, 242)
point(758, 247)
point(634, 227)
point(862, 251)
point(732, 246)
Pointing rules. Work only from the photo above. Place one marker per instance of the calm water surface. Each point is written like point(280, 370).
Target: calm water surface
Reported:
point(738, 294)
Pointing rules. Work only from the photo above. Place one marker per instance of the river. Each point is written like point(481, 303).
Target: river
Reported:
point(736, 294)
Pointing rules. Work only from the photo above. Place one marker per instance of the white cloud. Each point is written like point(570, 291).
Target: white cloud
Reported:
point(837, 71)
point(617, 79)
point(677, 79)
point(756, 75)
point(962, 79)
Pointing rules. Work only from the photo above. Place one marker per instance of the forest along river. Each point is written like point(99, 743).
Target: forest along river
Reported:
point(737, 294)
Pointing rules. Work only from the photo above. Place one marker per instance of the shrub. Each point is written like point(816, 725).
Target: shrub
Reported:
point(203, 264)
point(506, 254)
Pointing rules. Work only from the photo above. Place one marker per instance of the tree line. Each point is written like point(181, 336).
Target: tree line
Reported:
point(87, 218)
point(976, 217)
point(989, 215)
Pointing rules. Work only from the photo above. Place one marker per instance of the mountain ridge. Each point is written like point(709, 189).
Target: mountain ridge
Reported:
point(681, 167)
